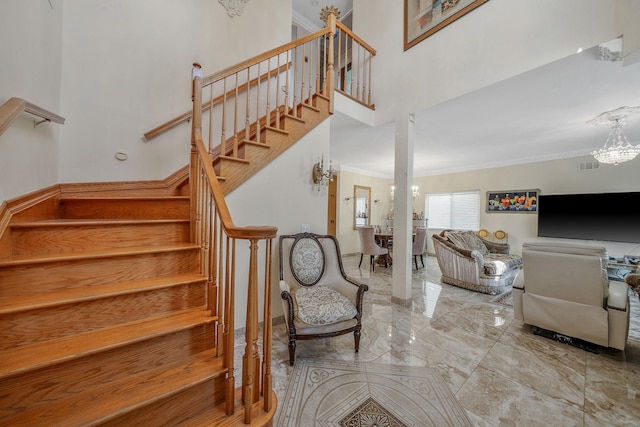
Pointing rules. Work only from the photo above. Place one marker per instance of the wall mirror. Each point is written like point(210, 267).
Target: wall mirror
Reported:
point(361, 206)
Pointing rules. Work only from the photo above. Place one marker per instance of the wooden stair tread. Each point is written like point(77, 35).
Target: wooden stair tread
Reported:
point(256, 144)
point(34, 356)
point(88, 222)
point(117, 198)
point(101, 404)
point(235, 159)
point(103, 253)
point(71, 295)
point(282, 131)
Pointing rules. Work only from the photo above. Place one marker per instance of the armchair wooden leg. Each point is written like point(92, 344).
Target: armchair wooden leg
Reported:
point(372, 262)
point(356, 337)
point(361, 255)
point(415, 259)
point(292, 351)
point(421, 261)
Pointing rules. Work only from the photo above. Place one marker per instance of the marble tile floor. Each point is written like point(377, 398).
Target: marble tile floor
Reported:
point(497, 369)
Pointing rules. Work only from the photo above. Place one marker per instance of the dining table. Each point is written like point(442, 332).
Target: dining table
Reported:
point(385, 239)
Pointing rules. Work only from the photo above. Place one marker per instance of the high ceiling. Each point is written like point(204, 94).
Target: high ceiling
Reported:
point(538, 115)
point(309, 10)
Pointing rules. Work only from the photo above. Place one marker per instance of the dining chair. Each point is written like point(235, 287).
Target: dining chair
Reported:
point(418, 245)
point(368, 246)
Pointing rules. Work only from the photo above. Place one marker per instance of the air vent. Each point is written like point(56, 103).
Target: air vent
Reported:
point(587, 166)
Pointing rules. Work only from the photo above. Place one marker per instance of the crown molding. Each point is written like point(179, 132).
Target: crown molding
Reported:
point(303, 22)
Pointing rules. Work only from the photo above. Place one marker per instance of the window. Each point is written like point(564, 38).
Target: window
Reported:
point(457, 211)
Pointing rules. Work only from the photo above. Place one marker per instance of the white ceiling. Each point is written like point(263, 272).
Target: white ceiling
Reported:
point(310, 11)
point(538, 115)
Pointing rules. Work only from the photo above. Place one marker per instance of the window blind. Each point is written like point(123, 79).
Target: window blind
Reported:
point(457, 211)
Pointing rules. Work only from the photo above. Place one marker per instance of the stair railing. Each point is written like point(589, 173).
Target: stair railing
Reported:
point(303, 65)
point(10, 110)
point(240, 103)
point(353, 62)
point(213, 229)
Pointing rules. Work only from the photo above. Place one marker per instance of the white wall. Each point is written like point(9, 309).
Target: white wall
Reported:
point(30, 67)
point(281, 195)
point(550, 177)
point(498, 40)
point(127, 68)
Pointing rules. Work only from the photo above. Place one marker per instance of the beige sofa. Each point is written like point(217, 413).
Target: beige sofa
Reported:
point(564, 288)
point(468, 261)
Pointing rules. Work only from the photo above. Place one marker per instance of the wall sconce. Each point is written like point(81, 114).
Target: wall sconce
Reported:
point(320, 176)
point(415, 191)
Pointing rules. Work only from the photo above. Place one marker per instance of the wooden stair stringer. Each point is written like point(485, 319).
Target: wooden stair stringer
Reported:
point(278, 141)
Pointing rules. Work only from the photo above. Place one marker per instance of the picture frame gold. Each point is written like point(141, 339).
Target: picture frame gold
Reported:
point(422, 18)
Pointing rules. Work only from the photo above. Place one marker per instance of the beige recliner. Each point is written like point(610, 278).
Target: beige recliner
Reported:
point(564, 288)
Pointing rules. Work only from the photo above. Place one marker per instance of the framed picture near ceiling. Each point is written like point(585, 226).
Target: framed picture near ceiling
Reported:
point(523, 201)
point(423, 18)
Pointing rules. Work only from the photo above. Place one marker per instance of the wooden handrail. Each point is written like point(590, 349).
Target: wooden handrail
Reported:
point(351, 34)
point(11, 109)
point(234, 69)
point(258, 58)
point(262, 57)
point(278, 98)
point(206, 105)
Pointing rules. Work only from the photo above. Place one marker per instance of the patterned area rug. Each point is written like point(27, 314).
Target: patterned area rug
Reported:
point(505, 298)
point(350, 394)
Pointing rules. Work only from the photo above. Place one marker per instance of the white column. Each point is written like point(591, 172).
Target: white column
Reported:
point(402, 209)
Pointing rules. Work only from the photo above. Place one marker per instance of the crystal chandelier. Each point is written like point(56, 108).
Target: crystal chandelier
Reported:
point(617, 149)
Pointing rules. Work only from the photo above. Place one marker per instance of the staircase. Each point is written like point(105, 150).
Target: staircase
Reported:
point(114, 307)
point(103, 305)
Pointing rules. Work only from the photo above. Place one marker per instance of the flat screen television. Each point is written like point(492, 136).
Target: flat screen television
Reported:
point(595, 216)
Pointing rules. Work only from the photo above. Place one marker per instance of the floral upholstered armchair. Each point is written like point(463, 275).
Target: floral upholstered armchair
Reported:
point(318, 298)
point(469, 261)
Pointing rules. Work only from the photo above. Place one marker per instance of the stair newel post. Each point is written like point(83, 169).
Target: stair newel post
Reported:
point(251, 369)
point(331, 80)
point(196, 127)
point(267, 331)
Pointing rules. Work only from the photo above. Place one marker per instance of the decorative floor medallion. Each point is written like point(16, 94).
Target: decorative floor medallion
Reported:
point(338, 393)
point(369, 414)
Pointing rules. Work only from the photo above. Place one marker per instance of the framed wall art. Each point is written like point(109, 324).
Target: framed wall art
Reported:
point(523, 201)
point(422, 18)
